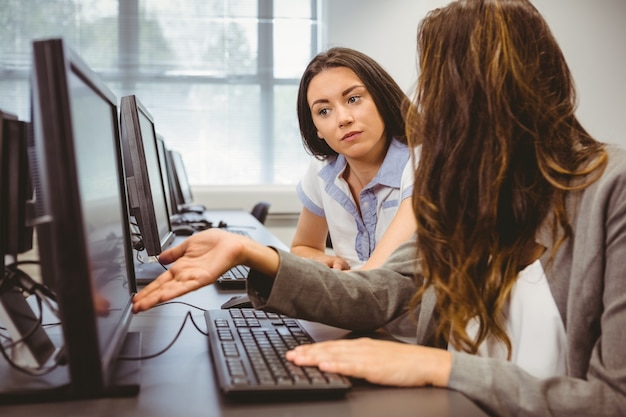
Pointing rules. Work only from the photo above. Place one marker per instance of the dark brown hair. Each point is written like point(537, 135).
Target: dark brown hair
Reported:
point(387, 95)
point(501, 150)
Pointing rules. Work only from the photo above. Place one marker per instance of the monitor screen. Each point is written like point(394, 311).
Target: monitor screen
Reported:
point(146, 190)
point(16, 192)
point(82, 224)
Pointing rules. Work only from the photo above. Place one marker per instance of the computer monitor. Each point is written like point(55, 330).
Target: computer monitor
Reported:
point(82, 232)
point(166, 173)
point(29, 346)
point(182, 189)
point(16, 191)
point(145, 187)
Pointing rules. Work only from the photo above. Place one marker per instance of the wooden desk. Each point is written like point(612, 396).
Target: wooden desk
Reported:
point(181, 383)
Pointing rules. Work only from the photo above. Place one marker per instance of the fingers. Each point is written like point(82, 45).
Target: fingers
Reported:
point(170, 255)
point(333, 356)
point(378, 361)
point(338, 263)
point(166, 287)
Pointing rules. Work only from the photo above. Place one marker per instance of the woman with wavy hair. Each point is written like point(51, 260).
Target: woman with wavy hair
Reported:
point(517, 274)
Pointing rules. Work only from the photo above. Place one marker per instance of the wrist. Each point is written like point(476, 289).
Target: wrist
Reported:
point(262, 258)
point(442, 367)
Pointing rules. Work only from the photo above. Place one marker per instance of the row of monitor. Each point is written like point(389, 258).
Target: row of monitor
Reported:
point(94, 172)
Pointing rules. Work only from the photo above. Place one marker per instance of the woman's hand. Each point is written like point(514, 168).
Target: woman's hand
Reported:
point(199, 261)
point(378, 361)
point(332, 261)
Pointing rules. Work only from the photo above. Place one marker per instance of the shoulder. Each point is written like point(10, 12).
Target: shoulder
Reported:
point(616, 166)
point(602, 205)
point(612, 182)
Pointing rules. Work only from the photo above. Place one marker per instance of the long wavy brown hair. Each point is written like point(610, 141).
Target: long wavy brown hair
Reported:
point(502, 148)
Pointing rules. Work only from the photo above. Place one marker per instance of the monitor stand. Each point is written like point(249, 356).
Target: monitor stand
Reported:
point(19, 388)
point(32, 347)
point(147, 272)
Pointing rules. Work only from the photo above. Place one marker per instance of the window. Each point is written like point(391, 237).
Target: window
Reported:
point(220, 77)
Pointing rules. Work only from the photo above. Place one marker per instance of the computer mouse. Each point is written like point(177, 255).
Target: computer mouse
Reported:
point(238, 301)
point(183, 230)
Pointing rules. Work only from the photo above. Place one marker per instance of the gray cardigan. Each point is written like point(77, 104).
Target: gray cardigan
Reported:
point(587, 278)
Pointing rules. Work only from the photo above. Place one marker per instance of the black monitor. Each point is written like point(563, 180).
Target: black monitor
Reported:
point(167, 173)
point(26, 343)
point(82, 232)
point(16, 192)
point(146, 190)
point(182, 189)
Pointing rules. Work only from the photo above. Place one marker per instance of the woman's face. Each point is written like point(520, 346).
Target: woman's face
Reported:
point(345, 115)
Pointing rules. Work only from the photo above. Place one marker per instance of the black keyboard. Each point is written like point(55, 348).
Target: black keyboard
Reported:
point(234, 278)
point(248, 354)
point(187, 217)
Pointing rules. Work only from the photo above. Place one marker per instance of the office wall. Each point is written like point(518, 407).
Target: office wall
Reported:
point(591, 34)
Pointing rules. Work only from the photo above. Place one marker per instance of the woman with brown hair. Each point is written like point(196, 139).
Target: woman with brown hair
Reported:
point(518, 278)
point(358, 186)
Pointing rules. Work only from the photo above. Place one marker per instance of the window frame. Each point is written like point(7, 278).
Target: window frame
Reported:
point(128, 77)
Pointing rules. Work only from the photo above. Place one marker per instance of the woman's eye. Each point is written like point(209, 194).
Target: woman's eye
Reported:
point(322, 112)
point(354, 99)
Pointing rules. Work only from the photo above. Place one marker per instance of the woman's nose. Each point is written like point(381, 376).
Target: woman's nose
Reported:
point(344, 118)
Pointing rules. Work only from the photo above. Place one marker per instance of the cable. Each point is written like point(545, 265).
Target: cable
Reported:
point(159, 261)
point(10, 279)
point(21, 280)
point(15, 278)
point(188, 315)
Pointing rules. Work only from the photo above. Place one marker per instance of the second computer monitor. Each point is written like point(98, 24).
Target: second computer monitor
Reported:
point(145, 186)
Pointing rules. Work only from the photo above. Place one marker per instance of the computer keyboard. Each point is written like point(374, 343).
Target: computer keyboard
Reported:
point(188, 217)
point(234, 278)
point(247, 349)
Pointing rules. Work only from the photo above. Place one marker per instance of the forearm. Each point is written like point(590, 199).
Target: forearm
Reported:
point(262, 258)
point(321, 256)
point(307, 252)
point(361, 301)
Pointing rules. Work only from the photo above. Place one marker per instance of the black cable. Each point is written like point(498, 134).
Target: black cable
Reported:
point(180, 302)
point(21, 279)
point(28, 371)
point(188, 315)
point(159, 261)
point(30, 332)
point(37, 293)
point(17, 278)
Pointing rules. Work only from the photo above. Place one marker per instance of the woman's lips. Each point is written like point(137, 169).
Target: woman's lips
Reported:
point(350, 135)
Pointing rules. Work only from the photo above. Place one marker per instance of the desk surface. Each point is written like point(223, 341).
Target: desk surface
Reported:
point(180, 382)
